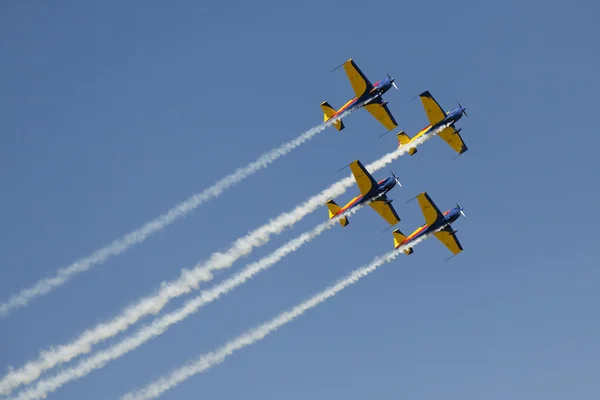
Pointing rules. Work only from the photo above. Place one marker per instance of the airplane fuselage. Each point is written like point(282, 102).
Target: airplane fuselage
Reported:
point(379, 88)
point(383, 187)
point(449, 217)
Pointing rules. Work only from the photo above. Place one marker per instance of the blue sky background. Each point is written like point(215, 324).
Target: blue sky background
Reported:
point(112, 113)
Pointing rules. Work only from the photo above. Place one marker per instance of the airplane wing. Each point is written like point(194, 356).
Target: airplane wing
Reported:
point(358, 80)
point(429, 209)
point(385, 210)
point(454, 139)
point(448, 238)
point(434, 112)
point(363, 178)
point(382, 114)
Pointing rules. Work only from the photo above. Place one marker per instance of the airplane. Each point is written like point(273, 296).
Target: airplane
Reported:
point(437, 117)
point(364, 90)
point(369, 189)
point(434, 220)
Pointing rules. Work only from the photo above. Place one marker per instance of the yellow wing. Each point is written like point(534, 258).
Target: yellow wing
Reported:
point(429, 209)
point(448, 238)
point(363, 179)
point(386, 211)
point(454, 139)
point(358, 80)
point(434, 112)
point(382, 114)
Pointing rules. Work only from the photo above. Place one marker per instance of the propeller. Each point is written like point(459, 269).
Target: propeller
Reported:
point(461, 210)
point(464, 111)
point(396, 178)
point(391, 80)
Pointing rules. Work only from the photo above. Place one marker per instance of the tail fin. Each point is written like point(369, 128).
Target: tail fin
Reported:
point(328, 113)
point(404, 139)
point(399, 238)
point(334, 209)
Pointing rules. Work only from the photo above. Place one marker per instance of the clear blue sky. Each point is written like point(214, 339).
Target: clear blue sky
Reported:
point(113, 113)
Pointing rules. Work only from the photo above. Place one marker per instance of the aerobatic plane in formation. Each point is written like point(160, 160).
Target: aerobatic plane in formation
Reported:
point(437, 117)
point(436, 222)
point(368, 95)
point(372, 192)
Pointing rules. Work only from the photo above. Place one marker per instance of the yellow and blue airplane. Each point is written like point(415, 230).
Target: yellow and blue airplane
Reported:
point(438, 117)
point(434, 220)
point(369, 189)
point(364, 91)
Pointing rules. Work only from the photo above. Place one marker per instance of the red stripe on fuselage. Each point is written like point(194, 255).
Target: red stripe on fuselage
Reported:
point(344, 107)
point(416, 232)
point(350, 204)
point(428, 127)
point(413, 235)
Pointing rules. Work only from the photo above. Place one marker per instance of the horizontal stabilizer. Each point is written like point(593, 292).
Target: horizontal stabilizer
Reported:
point(404, 139)
point(329, 112)
point(334, 209)
point(399, 238)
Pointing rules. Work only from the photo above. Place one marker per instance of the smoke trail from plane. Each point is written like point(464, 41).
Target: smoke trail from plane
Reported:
point(189, 280)
point(160, 325)
point(213, 358)
point(48, 284)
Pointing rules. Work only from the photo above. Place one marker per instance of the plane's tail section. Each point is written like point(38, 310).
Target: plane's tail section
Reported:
point(399, 238)
point(334, 209)
point(328, 112)
point(404, 139)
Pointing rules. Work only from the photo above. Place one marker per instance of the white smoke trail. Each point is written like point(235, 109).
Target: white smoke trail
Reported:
point(137, 236)
point(188, 281)
point(160, 325)
point(211, 359)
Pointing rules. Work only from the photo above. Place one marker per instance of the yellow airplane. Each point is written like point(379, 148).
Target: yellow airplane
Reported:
point(436, 222)
point(370, 189)
point(437, 117)
point(368, 95)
